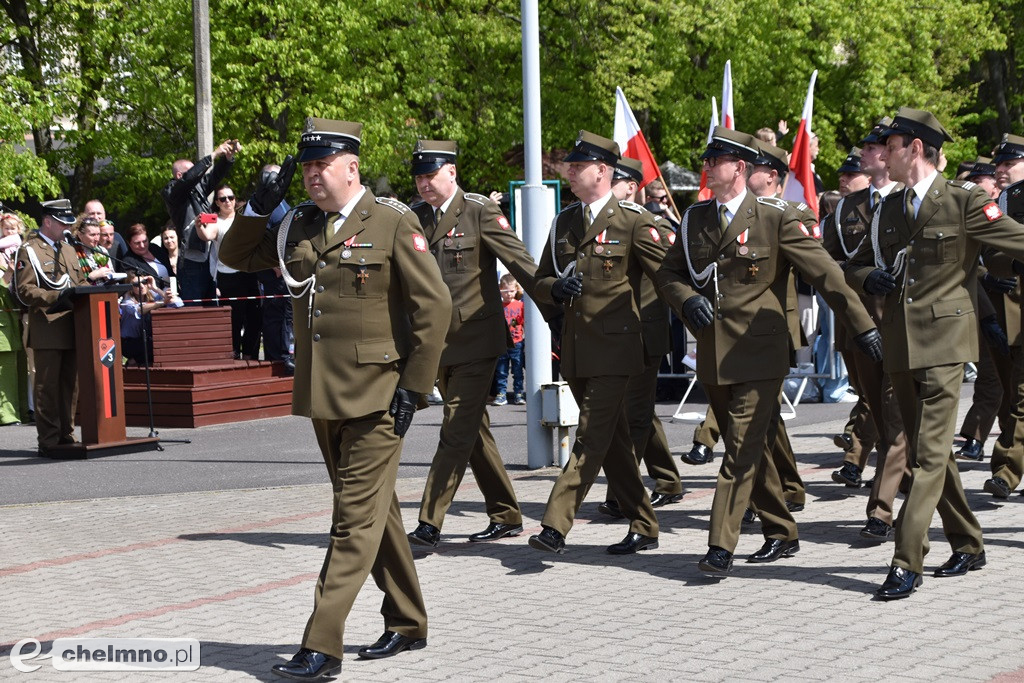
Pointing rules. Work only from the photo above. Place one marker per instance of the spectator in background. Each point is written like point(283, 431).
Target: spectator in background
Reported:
point(515, 318)
point(169, 241)
point(109, 238)
point(92, 258)
point(246, 314)
point(656, 192)
point(137, 322)
point(187, 196)
point(277, 307)
point(14, 408)
point(146, 258)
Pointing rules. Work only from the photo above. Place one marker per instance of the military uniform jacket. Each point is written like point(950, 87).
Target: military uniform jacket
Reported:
point(1011, 202)
point(380, 310)
point(654, 312)
point(47, 330)
point(472, 235)
point(748, 339)
point(601, 333)
point(929, 319)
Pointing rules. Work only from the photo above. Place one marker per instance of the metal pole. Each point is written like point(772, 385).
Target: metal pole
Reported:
point(204, 97)
point(538, 342)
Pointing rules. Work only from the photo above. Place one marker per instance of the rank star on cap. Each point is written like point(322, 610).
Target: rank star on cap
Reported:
point(992, 212)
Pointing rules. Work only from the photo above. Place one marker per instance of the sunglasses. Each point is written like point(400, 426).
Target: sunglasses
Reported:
point(226, 198)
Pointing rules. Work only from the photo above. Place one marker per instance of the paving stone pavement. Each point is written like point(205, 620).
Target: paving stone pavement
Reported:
point(235, 569)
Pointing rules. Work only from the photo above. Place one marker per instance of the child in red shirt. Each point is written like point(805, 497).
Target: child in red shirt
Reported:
point(511, 299)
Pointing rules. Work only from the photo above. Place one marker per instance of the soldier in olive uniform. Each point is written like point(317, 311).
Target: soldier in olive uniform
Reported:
point(467, 234)
point(46, 268)
point(923, 257)
point(598, 249)
point(737, 250)
point(846, 230)
point(371, 315)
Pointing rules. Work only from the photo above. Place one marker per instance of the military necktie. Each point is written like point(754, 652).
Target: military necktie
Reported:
point(723, 221)
point(437, 216)
point(332, 221)
point(590, 216)
point(876, 197)
point(909, 208)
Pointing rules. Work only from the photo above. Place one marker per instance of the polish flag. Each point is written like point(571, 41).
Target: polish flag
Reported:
point(799, 186)
point(630, 138)
point(728, 119)
point(705, 193)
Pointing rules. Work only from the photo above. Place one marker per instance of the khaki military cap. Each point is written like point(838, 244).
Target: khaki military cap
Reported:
point(728, 142)
point(852, 162)
point(1009, 148)
point(629, 169)
point(323, 137)
point(430, 155)
point(60, 211)
point(919, 124)
point(591, 147)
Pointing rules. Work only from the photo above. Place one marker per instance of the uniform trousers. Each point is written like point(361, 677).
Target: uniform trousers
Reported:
point(928, 399)
point(466, 440)
point(56, 396)
point(602, 431)
point(863, 432)
point(646, 431)
point(1008, 453)
point(994, 393)
point(367, 535)
point(747, 410)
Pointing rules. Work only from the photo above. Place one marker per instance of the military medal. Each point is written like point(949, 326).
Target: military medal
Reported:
point(363, 276)
point(599, 249)
point(346, 253)
point(742, 241)
point(752, 270)
point(458, 257)
point(743, 250)
point(607, 265)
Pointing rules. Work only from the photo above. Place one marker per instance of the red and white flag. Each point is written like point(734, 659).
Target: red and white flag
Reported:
point(728, 119)
point(799, 186)
point(630, 138)
point(704, 192)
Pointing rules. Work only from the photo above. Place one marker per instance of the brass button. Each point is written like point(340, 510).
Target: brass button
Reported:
point(910, 300)
point(362, 260)
point(320, 289)
point(387, 356)
point(911, 281)
point(958, 311)
point(322, 264)
point(316, 313)
point(316, 337)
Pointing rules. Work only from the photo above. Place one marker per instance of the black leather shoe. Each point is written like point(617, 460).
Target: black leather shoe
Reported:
point(309, 665)
point(496, 530)
point(660, 499)
point(390, 644)
point(774, 548)
point(698, 455)
point(633, 543)
point(998, 487)
point(548, 539)
point(877, 530)
point(900, 583)
point(749, 516)
point(717, 561)
point(971, 450)
point(611, 508)
point(848, 474)
point(794, 507)
point(426, 535)
point(843, 442)
point(960, 563)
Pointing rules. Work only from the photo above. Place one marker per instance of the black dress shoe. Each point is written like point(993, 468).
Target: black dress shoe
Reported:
point(659, 499)
point(794, 507)
point(998, 487)
point(877, 530)
point(717, 561)
point(960, 563)
point(843, 442)
point(633, 543)
point(496, 530)
point(426, 535)
point(749, 516)
point(390, 644)
point(774, 548)
point(698, 455)
point(611, 508)
point(848, 475)
point(900, 583)
point(971, 450)
point(548, 539)
point(309, 665)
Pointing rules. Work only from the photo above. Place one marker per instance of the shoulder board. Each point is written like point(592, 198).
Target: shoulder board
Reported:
point(393, 203)
point(477, 198)
point(773, 201)
point(966, 184)
point(632, 206)
point(801, 206)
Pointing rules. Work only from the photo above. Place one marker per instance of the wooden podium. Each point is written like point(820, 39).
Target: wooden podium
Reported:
point(101, 407)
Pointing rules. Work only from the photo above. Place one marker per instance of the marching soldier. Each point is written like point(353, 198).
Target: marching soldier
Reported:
point(598, 249)
point(923, 257)
point(371, 313)
point(467, 234)
point(736, 251)
point(46, 270)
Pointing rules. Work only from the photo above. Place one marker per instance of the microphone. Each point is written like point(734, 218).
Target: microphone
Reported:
point(70, 238)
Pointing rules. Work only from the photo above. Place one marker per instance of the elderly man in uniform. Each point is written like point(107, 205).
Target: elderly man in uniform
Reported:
point(736, 251)
point(645, 430)
point(371, 313)
point(597, 251)
point(923, 257)
point(47, 267)
point(467, 234)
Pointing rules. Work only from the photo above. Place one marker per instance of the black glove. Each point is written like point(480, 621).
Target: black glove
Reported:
point(272, 187)
point(994, 335)
point(698, 311)
point(566, 288)
point(998, 284)
point(870, 343)
point(64, 302)
point(403, 405)
point(880, 282)
point(1018, 267)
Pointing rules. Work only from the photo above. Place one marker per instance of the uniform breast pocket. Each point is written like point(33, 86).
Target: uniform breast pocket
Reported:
point(755, 265)
point(300, 262)
point(458, 254)
point(608, 265)
point(940, 243)
point(702, 255)
point(364, 274)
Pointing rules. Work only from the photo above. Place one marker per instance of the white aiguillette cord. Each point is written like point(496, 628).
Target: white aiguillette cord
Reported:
point(63, 282)
point(570, 268)
point(307, 285)
point(702, 278)
point(901, 255)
